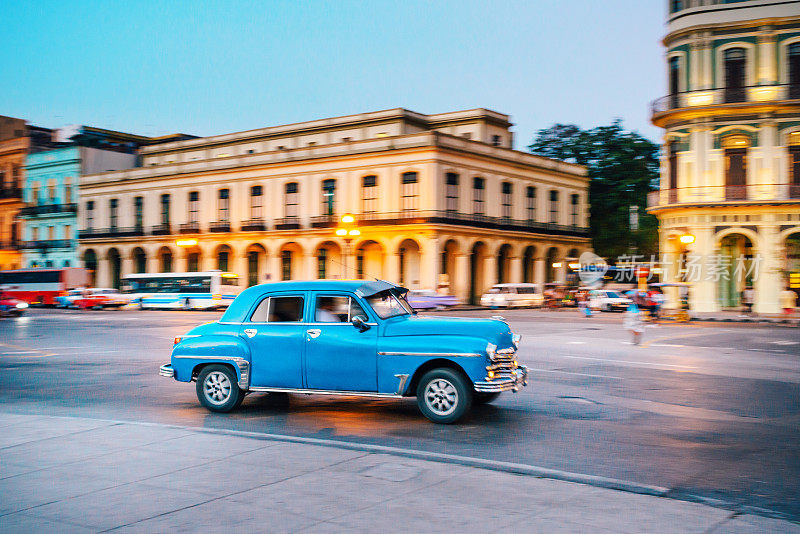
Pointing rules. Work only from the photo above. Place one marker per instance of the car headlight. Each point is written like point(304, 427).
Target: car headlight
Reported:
point(22, 305)
point(491, 349)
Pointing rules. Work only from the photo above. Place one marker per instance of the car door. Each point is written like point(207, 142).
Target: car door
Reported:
point(339, 356)
point(275, 334)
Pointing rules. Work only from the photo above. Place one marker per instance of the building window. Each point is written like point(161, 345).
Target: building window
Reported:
point(68, 232)
point(506, 189)
point(794, 70)
point(90, 215)
point(113, 205)
point(35, 194)
point(51, 193)
point(193, 262)
point(35, 233)
point(222, 259)
point(51, 233)
point(290, 200)
point(794, 171)
point(369, 194)
point(735, 59)
point(286, 265)
point(735, 174)
point(409, 191)
point(531, 200)
point(138, 210)
point(165, 200)
point(256, 202)
point(496, 140)
point(478, 188)
point(224, 205)
point(194, 201)
point(675, 5)
point(16, 176)
point(67, 191)
point(328, 196)
point(322, 260)
point(360, 264)
point(553, 207)
point(574, 214)
point(674, 80)
point(451, 191)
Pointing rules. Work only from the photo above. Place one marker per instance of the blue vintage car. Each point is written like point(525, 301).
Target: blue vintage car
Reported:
point(346, 338)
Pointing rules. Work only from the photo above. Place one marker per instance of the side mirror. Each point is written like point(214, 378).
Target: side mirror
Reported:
point(359, 323)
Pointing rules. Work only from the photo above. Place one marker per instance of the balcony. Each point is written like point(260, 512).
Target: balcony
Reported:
point(220, 226)
point(48, 209)
point(254, 225)
point(9, 245)
point(47, 244)
point(161, 229)
point(10, 192)
point(324, 221)
point(726, 97)
point(189, 228)
point(725, 194)
point(287, 223)
point(114, 231)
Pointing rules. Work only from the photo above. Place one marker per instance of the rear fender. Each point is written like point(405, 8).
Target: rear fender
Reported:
point(193, 353)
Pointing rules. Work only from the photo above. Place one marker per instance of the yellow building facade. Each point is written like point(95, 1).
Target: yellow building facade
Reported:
point(440, 202)
point(730, 176)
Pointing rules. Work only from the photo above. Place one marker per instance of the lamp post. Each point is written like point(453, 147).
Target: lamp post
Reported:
point(347, 230)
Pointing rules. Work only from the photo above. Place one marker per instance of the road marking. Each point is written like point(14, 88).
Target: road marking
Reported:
point(671, 345)
point(785, 342)
point(630, 362)
point(576, 343)
point(570, 373)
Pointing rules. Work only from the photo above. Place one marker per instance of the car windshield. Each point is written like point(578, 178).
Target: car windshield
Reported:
point(613, 295)
point(388, 304)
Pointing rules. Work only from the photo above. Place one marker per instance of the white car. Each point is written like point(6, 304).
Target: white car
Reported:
point(513, 295)
point(607, 300)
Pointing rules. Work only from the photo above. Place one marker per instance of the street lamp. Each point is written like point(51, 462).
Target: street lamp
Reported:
point(347, 230)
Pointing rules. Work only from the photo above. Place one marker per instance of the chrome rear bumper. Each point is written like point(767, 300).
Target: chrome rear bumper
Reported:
point(518, 379)
point(166, 370)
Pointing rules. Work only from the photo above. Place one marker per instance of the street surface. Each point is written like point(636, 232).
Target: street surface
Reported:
point(705, 410)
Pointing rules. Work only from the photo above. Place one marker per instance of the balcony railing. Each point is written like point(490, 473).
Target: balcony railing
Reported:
point(254, 225)
point(726, 95)
point(48, 209)
point(287, 223)
point(10, 192)
point(114, 231)
point(46, 244)
point(160, 229)
point(724, 193)
point(220, 226)
point(189, 228)
point(324, 221)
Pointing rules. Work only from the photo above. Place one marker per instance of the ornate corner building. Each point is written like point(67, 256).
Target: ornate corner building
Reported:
point(439, 200)
point(730, 174)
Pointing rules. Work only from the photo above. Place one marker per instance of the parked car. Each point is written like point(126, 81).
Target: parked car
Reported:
point(430, 300)
point(346, 338)
point(607, 300)
point(97, 298)
point(511, 295)
point(12, 306)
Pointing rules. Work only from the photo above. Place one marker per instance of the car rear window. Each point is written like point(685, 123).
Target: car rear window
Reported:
point(279, 310)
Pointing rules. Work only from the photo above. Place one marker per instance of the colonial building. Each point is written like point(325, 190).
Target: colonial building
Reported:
point(17, 140)
point(51, 189)
point(730, 179)
point(441, 201)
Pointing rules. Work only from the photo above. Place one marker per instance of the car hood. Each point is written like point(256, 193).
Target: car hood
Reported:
point(417, 325)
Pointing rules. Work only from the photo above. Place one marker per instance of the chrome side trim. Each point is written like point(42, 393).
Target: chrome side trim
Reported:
point(402, 385)
point(166, 370)
point(241, 363)
point(260, 389)
point(442, 354)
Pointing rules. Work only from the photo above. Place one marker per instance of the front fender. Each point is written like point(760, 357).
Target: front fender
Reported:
point(191, 352)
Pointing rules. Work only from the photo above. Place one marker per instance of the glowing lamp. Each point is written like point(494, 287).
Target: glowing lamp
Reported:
point(557, 265)
point(341, 231)
point(186, 242)
point(686, 239)
point(354, 232)
point(348, 219)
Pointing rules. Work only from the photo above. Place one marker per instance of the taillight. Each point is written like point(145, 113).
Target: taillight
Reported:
point(176, 340)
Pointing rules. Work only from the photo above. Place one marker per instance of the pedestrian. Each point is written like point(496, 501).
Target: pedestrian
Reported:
point(583, 303)
point(633, 322)
point(658, 303)
point(788, 301)
point(748, 297)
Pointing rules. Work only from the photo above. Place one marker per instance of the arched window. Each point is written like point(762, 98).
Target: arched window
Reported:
point(735, 59)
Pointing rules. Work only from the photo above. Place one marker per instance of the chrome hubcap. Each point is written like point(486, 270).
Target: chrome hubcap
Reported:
point(441, 396)
point(217, 388)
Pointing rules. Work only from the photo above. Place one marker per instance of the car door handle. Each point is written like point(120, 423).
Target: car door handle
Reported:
point(313, 333)
point(250, 332)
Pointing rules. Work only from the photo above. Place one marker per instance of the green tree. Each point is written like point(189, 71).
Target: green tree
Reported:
point(623, 168)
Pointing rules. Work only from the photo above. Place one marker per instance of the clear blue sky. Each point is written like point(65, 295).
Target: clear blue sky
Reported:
point(214, 67)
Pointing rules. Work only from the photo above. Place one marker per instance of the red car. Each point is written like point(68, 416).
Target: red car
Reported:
point(11, 306)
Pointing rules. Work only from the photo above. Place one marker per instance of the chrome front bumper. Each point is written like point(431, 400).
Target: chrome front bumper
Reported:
point(518, 378)
point(166, 370)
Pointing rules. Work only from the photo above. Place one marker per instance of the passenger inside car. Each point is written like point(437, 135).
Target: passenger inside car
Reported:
point(326, 310)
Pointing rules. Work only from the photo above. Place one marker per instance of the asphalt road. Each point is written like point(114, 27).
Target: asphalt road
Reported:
point(705, 410)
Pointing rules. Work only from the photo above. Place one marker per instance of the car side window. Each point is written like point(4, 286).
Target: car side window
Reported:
point(279, 310)
point(337, 309)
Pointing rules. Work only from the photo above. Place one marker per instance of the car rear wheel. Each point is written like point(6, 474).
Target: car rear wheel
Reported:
point(218, 390)
point(444, 396)
point(485, 398)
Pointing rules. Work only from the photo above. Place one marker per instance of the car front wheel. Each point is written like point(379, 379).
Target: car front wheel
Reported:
point(218, 390)
point(444, 396)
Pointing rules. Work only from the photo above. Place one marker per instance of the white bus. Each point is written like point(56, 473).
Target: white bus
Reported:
point(182, 291)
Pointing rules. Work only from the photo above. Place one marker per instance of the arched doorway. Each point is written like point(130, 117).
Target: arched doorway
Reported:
point(223, 255)
point(290, 254)
point(570, 266)
point(90, 264)
point(329, 263)
point(256, 258)
point(552, 265)
point(369, 261)
point(115, 266)
point(408, 256)
point(139, 260)
point(504, 264)
point(165, 261)
point(529, 264)
point(734, 268)
point(477, 273)
point(448, 274)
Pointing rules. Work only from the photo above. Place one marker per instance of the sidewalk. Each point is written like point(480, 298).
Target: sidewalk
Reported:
point(83, 475)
